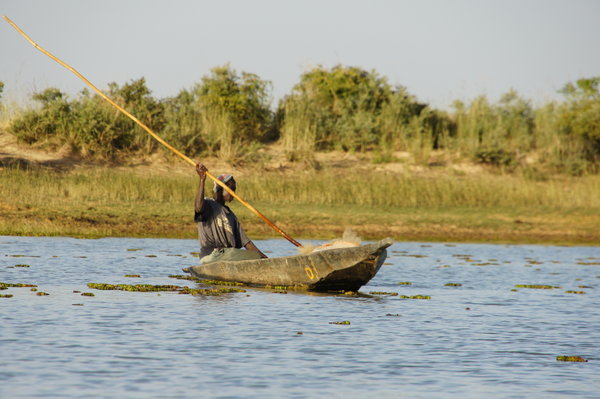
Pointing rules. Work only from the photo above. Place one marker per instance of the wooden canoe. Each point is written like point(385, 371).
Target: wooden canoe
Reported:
point(341, 269)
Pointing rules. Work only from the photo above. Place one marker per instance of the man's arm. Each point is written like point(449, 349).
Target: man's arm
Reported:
point(251, 247)
point(199, 202)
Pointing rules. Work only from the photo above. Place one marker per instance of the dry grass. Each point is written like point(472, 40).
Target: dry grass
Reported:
point(97, 202)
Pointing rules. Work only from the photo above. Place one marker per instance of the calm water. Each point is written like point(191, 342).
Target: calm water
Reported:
point(481, 339)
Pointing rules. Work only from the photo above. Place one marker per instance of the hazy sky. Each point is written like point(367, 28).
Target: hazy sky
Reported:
point(441, 50)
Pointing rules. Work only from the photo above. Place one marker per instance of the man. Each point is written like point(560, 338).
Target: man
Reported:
point(219, 230)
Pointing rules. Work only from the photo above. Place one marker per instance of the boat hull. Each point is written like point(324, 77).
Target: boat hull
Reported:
point(341, 269)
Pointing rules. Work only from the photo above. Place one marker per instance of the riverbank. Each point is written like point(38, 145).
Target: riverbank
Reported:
point(153, 197)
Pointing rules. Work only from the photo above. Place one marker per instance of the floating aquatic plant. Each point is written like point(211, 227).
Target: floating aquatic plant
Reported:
point(415, 297)
point(4, 286)
point(453, 285)
point(584, 286)
point(159, 288)
point(210, 291)
point(183, 277)
point(570, 359)
point(279, 287)
point(132, 275)
point(574, 292)
point(383, 293)
point(6, 296)
point(41, 293)
point(134, 288)
point(536, 286)
point(393, 315)
point(345, 322)
point(404, 283)
point(22, 265)
point(87, 294)
point(589, 263)
point(134, 249)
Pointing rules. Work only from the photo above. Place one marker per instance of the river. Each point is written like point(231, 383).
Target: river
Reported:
point(478, 335)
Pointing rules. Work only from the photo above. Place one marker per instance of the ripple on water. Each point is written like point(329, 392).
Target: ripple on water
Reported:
point(477, 335)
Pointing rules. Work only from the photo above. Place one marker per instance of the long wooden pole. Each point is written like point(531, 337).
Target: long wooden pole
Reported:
point(150, 132)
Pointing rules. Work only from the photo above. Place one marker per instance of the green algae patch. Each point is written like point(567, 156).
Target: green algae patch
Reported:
point(6, 296)
point(4, 286)
point(345, 322)
point(22, 265)
point(279, 287)
point(132, 275)
point(217, 282)
point(210, 291)
point(167, 287)
point(575, 292)
point(134, 288)
point(213, 282)
point(536, 286)
point(570, 359)
point(183, 277)
point(383, 293)
point(41, 293)
point(404, 283)
point(87, 294)
point(453, 285)
point(415, 297)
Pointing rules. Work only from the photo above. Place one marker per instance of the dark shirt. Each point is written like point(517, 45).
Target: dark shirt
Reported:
point(218, 227)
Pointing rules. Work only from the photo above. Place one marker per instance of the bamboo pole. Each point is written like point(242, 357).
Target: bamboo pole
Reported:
point(151, 133)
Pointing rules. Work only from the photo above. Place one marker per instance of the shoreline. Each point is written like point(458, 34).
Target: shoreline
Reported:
point(52, 194)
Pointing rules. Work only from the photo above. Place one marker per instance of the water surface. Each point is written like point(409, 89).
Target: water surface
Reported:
point(482, 338)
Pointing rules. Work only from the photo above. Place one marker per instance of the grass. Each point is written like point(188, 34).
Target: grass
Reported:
point(100, 202)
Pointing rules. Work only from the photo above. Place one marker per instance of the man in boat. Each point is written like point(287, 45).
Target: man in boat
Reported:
point(220, 234)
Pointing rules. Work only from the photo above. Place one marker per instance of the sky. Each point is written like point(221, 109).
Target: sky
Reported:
point(440, 50)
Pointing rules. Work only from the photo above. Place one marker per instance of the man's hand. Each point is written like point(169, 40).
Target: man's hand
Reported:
point(199, 201)
point(201, 170)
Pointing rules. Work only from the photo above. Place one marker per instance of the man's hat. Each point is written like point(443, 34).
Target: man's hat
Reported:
point(224, 178)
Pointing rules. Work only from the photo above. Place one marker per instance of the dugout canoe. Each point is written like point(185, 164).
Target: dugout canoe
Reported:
point(341, 269)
